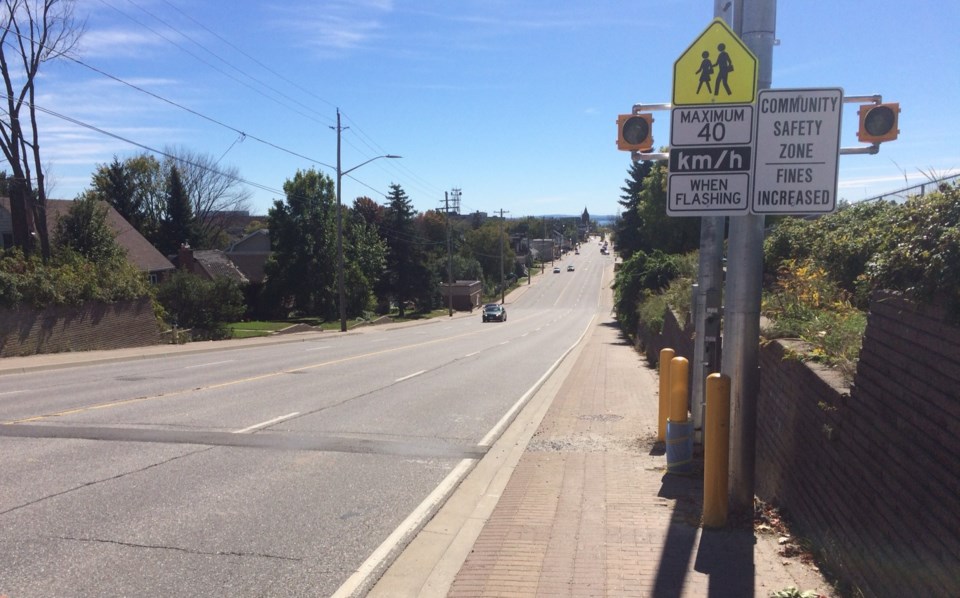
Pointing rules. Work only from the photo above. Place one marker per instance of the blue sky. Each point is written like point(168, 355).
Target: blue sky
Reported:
point(514, 102)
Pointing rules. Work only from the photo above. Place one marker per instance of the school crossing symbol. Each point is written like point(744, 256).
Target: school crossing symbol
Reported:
point(717, 68)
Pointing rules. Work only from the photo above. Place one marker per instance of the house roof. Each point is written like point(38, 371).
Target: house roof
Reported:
point(216, 264)
point(139, 251)
point(251, 264)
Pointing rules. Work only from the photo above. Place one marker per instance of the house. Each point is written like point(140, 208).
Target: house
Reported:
point(250, 254)
point(210, 264)
point(140, 252)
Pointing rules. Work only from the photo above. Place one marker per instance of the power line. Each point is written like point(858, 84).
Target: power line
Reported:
point(207, 63)
point(241, 134)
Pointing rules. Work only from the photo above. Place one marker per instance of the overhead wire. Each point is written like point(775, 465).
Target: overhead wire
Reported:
point(241, 71)
point(372, 145)
point(207, 63)
point(241, 134)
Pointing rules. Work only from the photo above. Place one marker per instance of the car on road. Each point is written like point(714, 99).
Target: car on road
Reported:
point(570, 268)
point(556, 269)
point(494, 312)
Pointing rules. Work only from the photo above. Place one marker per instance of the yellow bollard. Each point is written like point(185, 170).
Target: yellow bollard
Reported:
point(716, 447)
point(679, 389)
point(665, 356)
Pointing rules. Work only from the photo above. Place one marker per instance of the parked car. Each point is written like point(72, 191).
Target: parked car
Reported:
point(556, 269)
point(494, 312)
point(570, 268)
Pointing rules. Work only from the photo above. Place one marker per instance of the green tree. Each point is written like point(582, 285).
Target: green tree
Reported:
point(627, 231)
point(365, 258)
point(136, 188)
point(302, 270)
point(179, 225)
point(488, 246)
point(407, 277)
point(113, 183)
point(84, 230)
point(657, 230)
point(203, 305)
point(215, 191)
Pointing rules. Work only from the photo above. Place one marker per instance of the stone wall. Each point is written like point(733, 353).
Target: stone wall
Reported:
point(91, 326)
point(868, 474)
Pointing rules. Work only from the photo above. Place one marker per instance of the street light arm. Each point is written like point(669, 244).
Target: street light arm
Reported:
point(349, 170)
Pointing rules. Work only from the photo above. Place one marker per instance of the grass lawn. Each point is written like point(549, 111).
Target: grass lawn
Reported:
point(262, 328)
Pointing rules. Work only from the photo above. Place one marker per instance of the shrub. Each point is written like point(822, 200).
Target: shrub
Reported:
point(68, 279)
point(843, 243)
point(202, 305)
point(925, 262)
point(805, 303)
point(644, 278)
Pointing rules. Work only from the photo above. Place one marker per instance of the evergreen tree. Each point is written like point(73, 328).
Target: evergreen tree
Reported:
point(627, 229)
point(644, 224)
point(407, 277)
point(658, 231)
point(179, 226)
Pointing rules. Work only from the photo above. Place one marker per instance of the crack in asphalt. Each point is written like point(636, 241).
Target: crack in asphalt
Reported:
point(100, 481)
point(180, 549)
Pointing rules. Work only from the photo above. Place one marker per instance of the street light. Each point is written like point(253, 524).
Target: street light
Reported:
point(340, 173)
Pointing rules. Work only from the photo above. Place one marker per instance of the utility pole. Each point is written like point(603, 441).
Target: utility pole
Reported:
point(543, 261)
point(502, 289)
point(340, 172)
point(340, 292)
point(757, 20)
point(446, 206)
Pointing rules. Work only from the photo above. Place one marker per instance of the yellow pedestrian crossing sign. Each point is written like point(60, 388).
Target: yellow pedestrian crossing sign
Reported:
point(717, 68)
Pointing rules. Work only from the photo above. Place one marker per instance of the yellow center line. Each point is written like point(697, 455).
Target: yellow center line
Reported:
point(122, 402)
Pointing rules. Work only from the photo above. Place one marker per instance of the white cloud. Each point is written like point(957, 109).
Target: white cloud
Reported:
point(113, 43)
point(333, 26)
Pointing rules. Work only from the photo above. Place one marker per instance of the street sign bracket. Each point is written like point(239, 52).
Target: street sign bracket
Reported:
point(638, 108)
point(655, 156)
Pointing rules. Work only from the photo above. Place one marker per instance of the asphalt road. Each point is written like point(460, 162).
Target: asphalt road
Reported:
point(273, 470)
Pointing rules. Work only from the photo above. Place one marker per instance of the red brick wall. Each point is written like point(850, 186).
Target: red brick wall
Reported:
point(92, 326)
point(869, 474)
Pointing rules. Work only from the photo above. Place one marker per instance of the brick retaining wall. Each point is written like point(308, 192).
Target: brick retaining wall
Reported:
point(91, 326)
point(868, 474)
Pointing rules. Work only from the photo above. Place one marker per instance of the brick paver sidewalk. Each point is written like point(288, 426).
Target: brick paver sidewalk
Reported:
point(589, 510)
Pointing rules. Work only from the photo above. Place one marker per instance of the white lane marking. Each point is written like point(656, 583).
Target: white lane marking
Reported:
point(362, 576)
point(11, 392)
point(504, 343)
point(320, 348)
point(205, 365)
point(267, 423)
point(467, 355)
point(413, 375)
point(524, 334)
point(509, 416)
